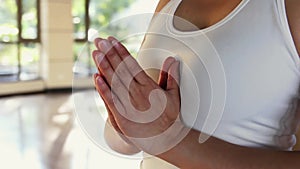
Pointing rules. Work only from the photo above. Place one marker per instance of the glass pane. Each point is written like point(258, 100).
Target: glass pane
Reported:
point(78, 12)
point(102, 12)
point(30, 59)
point(8, 21)
point(82, 59)
point(8, 59)
point(29, 19)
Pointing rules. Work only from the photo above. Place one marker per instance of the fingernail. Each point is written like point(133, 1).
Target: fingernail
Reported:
point(99, 58)
point(114, 42)
point(97, 40)
point(105, 45)
point(112, 39)
point(100, 80)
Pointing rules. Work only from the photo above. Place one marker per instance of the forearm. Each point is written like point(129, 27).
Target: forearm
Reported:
point(217, 154)
point(116, 142)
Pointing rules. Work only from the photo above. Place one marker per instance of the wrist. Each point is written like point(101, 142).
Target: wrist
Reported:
point(164, 141)
point(118, 142)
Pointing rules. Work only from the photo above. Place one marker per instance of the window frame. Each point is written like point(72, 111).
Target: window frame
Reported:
point(87, 22)
point(20, 40)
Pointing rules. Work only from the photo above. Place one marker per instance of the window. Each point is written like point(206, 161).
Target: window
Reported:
point(90, 16)
point(19, 40)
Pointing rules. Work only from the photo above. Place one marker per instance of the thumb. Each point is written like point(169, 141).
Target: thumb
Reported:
point(173, 78)
point(163, 75)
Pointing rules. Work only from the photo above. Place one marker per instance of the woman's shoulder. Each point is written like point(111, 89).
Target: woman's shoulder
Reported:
point(161, 4)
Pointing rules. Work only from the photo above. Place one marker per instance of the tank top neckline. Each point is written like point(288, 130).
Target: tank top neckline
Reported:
point(172, 29)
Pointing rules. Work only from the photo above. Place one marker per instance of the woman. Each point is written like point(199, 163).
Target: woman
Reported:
point(258, 43)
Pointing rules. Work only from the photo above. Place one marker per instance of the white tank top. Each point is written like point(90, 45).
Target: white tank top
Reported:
point(245, 65)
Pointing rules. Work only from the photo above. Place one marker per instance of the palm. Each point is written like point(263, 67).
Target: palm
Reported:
point(138, 107)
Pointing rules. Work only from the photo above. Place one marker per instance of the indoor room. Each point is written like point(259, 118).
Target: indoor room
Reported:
point(45, 58)
point(226, 94)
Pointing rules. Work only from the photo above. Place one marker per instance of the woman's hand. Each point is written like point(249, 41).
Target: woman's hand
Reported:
point(139, 108)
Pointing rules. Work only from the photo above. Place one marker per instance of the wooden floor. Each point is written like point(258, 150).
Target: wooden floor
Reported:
point(39, 132)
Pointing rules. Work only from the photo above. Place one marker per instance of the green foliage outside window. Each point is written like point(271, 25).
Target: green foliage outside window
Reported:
point(16, 55)
point(101, 13)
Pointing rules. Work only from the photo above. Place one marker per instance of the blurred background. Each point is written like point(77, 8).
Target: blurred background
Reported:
point(45, 53)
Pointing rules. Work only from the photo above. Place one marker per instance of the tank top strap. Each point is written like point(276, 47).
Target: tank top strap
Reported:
point(282, 15)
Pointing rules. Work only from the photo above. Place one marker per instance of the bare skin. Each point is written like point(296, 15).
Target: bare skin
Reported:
point(203, 13)
point(214, 153)
point(292, 9)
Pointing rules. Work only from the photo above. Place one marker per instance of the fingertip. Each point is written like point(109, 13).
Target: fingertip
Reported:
point(100, 81)
point(97, 40)
point(173, 77)
point(167, 63)
point(119, 47)
point(112, 38)
point(171, 58)
point(174, 70)
point(177, 66)
point(98, 57)
point(95, 53)
point(96, 75)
